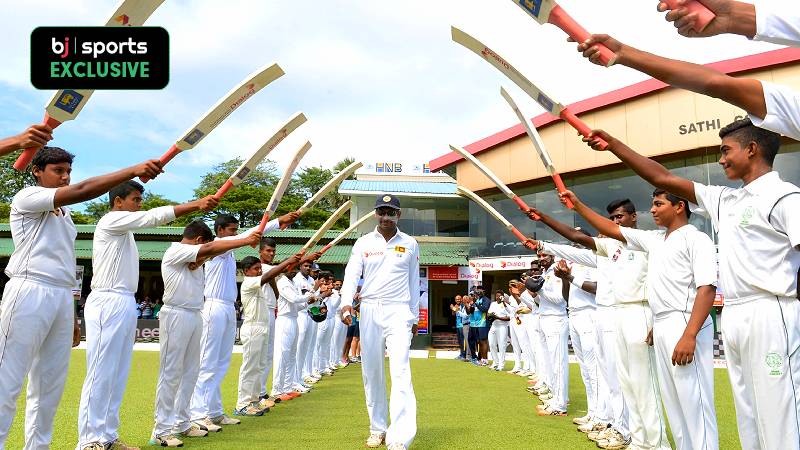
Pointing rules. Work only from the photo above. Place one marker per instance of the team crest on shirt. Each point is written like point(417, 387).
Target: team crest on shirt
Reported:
point(775, 363)
point(399, 249)
point(747, 214)
point(616, 255)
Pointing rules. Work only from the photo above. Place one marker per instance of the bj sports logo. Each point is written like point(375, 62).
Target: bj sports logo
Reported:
point(99, 58)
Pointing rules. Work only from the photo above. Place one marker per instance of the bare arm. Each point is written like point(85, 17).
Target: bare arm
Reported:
point(221, 246)
point(35, 136)
point(201, 204)
point(603, 225)
point(97, 186)
point(563, 229)
point(684, 349)
point(732, 17)
point(280, 268)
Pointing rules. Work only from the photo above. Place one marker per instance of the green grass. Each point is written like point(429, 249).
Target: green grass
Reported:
point(459, 406)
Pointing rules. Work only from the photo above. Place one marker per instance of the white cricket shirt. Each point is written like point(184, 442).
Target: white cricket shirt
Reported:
point(777, 21)
point(783, 110)
point(221, 270)
point(333, 303)
point(604, 295)
point(758, 228)
point(115, 258)
point(44, 240)
point(183, 288)
point(499, 310)
point(580, 300)
point(254, 303)
point(390, 269)
point(290, 300)
point(269, 293)
point(626, 271)
point(551, 302)
point(302, 282)
point(677, 265)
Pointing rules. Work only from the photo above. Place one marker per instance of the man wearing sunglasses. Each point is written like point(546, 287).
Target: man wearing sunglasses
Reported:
point(388, 259)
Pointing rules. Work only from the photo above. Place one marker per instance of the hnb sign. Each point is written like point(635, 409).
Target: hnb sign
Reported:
point(388, 167)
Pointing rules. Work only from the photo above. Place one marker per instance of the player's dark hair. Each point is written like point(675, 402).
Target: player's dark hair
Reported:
point(744, 132)
point(267, 242)
point(223, 220)
point(674, 200)
point(325, 274)
point(123, 190)
point(248, 262)
point(625, 203)
point(198, 228)
point(51, 155)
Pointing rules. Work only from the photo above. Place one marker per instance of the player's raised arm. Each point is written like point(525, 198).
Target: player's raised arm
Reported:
point(563, 229)
point(35, 136)
point(732, 17)
point(600, 223)
point(95, 186)
point(652, 172)
point(273, 273)
point(221, 246)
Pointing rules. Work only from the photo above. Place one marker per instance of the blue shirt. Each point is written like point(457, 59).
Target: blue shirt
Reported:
point(478, 318)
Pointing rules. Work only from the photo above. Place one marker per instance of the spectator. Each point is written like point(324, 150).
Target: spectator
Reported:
point(479, 327)
point(157, 308)
point(455, 309)
point(146, 309)
point(498, 334)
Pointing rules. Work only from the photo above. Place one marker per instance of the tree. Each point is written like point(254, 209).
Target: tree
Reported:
point(11, 180)
point(96, 209)
point(5, 212)
point(80, 218)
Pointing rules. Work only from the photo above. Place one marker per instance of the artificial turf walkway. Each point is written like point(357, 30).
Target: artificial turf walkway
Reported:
point(460, 406)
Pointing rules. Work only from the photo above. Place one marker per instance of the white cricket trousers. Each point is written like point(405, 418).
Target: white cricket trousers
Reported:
point(270, 351)
point(636, 368)
point(530, 339)
point(311, 345)
point(614, 410)
point(543, 363)
point(337, 341)
point(179, 333)
point(687, 391)
point(762, 340)
point(110, 319)
point(216, 344)
point(254, 339)
point(584, 341)
point(516, 346)
point(555, 330)
point(388, 326)
point(284, 357)
point(322, 349)
point(36, 324)
point(498, 341)
point(304, 338)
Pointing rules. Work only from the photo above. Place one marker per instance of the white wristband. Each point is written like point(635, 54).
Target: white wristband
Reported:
point(578, 281)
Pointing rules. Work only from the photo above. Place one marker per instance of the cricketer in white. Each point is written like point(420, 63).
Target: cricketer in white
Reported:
point(388, 260)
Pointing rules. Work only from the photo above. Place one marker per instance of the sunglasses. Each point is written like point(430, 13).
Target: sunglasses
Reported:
point(387, 212)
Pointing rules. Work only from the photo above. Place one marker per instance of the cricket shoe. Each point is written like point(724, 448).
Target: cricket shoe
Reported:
point(168, 440)
point(223, 419)
point(582, 420)
point(119, 445)
point(396, 446)
point(286, 397)
point(317, 375)
point(327, 372)
point(513, 371)
point(592, 426)
point(342, 365)
point(310, 380)
point(375, 440)
point(542, 390)
point(94, 446)
point(194, 431)
point(273, 398)
point(601, 435)
point(266, 403)
point(547, 396)
point(615, 441)
point(544, 405)
point(251, 410)
point(551, 412)
point(523, 373)
point(301, 390)
point(207, 425)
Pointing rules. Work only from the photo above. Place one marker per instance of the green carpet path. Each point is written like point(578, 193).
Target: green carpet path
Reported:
point(458, 406)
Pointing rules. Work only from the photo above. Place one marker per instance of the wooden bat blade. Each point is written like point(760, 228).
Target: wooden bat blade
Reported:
point(235, 98)
point(539, 10)
point(508, 70)
point(331, 184)
point(280, 189)
point(464, 192)
point(327, 225)
point(532, 133)
point(132, 13)
point(350, 229)
point(485, 170)
point(255, 159)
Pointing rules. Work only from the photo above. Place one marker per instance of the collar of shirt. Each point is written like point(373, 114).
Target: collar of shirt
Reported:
point(763, 183)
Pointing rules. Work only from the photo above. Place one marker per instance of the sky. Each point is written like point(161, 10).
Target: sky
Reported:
point(378, 81)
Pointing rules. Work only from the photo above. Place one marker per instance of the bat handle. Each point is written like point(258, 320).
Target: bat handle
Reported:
point(263, 224)
point(704, 15)
point(165, 158)
point(27, 155)
point(580, 125)
point(325, 248)
point(561, 188)
point(522, 238)
point(524, 207)
point(561, 19)
point(224, 189)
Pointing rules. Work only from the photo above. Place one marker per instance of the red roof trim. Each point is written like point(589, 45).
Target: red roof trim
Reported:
point(730, 66)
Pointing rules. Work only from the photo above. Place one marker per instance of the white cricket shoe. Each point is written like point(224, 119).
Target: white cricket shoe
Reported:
point(207, 425)
point(396, 446)
point(597, 436)
point(168, 440)
point(582, 420)
point(375, 440)
point(225, 420)
point(194, 431)
point(615, 441)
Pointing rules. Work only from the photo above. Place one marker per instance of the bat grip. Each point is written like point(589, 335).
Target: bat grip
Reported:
point(524, 207)
point(561, 19)
point(27, 155)
point(560, 187)
point(522, 238)
point(580, 125)
point(165, 158)
point(704, 15)
point(325, 248)
point(223, 189)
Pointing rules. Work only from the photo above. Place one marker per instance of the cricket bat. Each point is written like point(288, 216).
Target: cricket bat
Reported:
point(704, 15)
point(235, 98)
point(327, 225)
point(66, 104)
point(464, 192)
point(551, 106)
point(346, 232)
point(280, 188)
point(538, 145)
point(255, 159)
point(495, 179)
point(330, 185)
point(548, 11)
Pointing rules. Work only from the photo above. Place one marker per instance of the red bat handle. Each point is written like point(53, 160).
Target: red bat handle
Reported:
point(27, 155)
point(524, 207)
point(522, 238)
point(224, 189)
point(560, 187)
point(561, 19)
point(325, 248)
point(165, 158)
point(263, 224)
point(704, 15)
point(580, 125)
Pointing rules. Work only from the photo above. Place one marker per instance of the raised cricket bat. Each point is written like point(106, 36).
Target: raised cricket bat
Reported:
point(551, 106)
point(280, 188)
point(495, 179)
point(222, 109)
point(494, 213)
point(704, 15)
point(255, 159)
point(66, 104)
point(346, 232)
point(538, 145)
point(548, 11)
point(330, 185)
point(327, 225)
